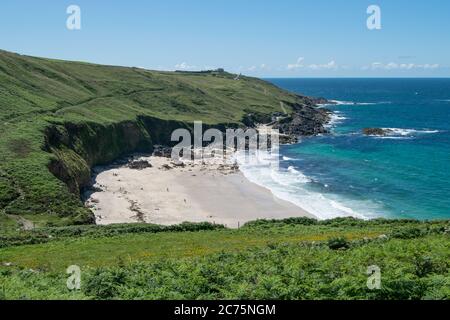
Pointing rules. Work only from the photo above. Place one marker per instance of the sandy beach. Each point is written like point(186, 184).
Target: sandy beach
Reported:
point(168, 193)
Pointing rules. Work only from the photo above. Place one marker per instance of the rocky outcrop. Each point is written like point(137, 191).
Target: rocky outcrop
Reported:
point(139, 164)
point(377, 132)
point(162, 151)
point(306, 120)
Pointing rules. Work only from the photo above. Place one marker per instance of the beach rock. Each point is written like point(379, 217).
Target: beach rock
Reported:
point(376, 131)
point(139, 164)
point(288, 139)
point(162, 151)
point(166, 167)
point(178, 163)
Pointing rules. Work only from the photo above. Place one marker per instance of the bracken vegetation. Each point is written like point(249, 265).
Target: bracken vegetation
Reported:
point(289, 259)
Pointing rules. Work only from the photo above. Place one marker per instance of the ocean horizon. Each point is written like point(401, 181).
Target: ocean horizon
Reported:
point(346, 173)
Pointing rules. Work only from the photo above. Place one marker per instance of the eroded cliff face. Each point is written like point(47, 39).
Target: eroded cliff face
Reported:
point(76, 148)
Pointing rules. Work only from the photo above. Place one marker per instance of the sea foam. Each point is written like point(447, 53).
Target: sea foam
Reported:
point(408, 132)
point(292, 185)
point(335, 118)
point(352, 103)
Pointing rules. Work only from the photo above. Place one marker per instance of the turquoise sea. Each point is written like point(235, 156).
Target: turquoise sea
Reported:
point(403, 175)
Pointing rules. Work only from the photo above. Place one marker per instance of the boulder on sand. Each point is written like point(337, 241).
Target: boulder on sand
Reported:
point(139, 164)
point(162, 151)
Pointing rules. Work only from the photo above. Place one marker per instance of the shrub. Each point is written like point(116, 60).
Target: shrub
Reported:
point(408, 233)
point(405, 288)
point(338, 243)
point(423, 266)
point(268, 223)
point(103, 284)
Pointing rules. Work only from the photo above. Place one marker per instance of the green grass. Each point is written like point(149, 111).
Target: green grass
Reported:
point(107, 251)
point(290, 259)
point(98, 246)
point(7, 224)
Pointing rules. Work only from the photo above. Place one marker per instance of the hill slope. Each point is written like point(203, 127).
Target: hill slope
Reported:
point(59, 118)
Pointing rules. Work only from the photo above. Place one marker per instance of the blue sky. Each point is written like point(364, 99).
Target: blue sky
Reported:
point(265, 38)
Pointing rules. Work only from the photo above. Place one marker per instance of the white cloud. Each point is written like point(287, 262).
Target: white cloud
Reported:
point(184, 66)
point(401, 66)
point(327, 66)
point(255, 68)
point(296, 65)
point(391, 65)
point(332, 65)
point(431, 66)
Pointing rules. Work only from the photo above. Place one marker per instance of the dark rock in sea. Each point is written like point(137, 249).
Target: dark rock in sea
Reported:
point(139, 164)
point(287, 139)
point(162, 151)
point(376, 131)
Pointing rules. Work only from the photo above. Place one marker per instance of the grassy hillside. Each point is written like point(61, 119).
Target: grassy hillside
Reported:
point(290, 259)
point(60, 118)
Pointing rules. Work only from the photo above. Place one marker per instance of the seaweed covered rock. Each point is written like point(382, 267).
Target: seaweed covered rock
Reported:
point(377, 132)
